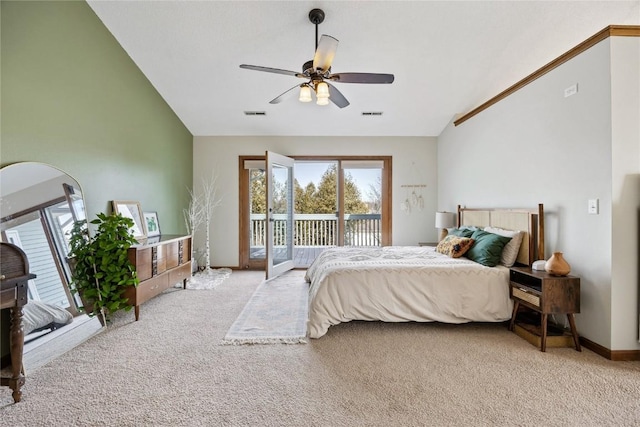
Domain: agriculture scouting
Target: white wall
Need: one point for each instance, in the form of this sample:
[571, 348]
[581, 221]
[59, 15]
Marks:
[414, 162]
[625, 118]
[536, 146]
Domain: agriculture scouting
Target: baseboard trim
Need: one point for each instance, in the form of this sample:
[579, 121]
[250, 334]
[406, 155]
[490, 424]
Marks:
[615, 355]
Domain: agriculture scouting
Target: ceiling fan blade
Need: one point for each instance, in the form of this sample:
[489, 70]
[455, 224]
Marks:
[283, 95]
[337, 97]
[369, 78]
[273, 70]
[325, 52]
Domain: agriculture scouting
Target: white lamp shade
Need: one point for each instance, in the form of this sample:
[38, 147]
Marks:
[445, 220]
[322, 90]
[322, 101]
[305, 93]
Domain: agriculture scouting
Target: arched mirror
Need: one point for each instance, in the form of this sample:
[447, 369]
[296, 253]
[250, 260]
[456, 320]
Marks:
[38, 206]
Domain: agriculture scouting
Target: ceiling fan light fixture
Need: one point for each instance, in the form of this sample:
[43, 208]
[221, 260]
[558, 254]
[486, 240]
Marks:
[305, 93]
[322, 101]
[322, 90]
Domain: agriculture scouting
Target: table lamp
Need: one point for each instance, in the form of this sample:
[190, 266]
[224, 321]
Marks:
[444, 220]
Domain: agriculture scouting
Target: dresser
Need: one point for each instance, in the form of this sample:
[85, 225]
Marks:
[14, 278]
[160, 262]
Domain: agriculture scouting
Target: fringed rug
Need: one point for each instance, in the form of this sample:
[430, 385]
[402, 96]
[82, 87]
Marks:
[208, 279]
[276, 313]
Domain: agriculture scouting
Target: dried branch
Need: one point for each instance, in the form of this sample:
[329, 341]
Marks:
[209, 201]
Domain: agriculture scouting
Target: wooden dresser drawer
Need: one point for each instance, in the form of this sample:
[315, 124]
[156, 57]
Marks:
[172, 255]
[178, 274]
[150, 288]
[142, 260]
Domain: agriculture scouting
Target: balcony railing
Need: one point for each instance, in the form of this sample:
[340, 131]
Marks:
[319, 230]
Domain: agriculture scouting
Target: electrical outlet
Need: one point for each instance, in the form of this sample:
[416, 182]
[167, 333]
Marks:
[571, 90]
[593, 206]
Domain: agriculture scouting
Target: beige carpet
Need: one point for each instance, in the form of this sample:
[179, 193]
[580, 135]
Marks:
[169, 369]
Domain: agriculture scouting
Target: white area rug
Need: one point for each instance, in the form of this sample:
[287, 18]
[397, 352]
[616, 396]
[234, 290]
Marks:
[208, 279]
[276, 313]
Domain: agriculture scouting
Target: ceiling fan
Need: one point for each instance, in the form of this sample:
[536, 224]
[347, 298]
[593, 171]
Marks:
[317, 72]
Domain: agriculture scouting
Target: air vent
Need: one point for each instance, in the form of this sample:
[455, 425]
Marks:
[255, 113]
[372, 113]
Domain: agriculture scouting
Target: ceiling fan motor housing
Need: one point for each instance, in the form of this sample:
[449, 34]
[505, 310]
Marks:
[307, 69]
[308, 66]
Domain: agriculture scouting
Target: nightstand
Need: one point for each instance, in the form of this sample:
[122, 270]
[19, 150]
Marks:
[545, 294]
[427, 243]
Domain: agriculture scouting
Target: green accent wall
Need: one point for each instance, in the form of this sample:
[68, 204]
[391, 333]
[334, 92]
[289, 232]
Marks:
[72, 97]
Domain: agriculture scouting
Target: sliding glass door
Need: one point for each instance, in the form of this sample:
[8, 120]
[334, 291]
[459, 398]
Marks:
[337, 201]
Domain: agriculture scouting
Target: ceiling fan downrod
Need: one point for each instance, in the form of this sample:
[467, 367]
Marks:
[316, 16]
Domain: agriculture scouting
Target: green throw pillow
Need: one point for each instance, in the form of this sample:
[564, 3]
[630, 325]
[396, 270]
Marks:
[460, 232]
[487, 248]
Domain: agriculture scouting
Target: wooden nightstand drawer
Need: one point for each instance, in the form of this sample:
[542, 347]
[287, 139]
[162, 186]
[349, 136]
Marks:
[525, 296]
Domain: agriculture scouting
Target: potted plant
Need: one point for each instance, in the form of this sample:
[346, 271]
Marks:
[101, 271]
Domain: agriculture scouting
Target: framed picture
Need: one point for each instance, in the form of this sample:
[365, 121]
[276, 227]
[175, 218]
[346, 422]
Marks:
[132, 210]
[152, 224]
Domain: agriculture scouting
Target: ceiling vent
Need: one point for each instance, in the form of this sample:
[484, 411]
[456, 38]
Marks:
[255, 113]
[372, 113]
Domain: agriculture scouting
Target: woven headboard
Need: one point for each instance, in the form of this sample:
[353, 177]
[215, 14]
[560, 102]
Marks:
[531, 221]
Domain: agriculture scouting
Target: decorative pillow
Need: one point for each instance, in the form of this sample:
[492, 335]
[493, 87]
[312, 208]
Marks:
[461, 232]
[511, 249]
[487, 249]
[454, 246]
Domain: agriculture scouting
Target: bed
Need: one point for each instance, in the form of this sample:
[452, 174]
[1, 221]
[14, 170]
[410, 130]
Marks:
[39, 316]
[402, 284]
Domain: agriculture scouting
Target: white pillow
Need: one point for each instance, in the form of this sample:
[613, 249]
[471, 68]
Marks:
[511, 249]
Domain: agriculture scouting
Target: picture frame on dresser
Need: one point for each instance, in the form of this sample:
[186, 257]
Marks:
[152, 224]
[132, 210]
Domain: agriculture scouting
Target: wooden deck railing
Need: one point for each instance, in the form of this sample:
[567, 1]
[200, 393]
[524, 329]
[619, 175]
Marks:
[319, 230]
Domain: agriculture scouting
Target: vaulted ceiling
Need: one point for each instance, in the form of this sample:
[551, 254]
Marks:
[447, 57]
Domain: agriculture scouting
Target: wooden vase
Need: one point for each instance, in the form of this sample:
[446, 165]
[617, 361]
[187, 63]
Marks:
[557, 265]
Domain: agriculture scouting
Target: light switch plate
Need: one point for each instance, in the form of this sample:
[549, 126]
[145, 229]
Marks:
[571, 90]
[593, 207]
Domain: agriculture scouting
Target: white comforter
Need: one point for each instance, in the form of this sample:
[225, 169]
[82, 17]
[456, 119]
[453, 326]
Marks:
[400, 284]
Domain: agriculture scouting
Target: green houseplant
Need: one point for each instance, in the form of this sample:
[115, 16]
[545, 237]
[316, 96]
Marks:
[101, 271]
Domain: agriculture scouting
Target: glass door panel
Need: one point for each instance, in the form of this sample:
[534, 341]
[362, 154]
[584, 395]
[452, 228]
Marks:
[280, 203]
[316, 209]
[362, 190]
[257, 211]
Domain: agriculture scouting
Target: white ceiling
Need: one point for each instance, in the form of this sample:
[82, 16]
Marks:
[447, 57]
